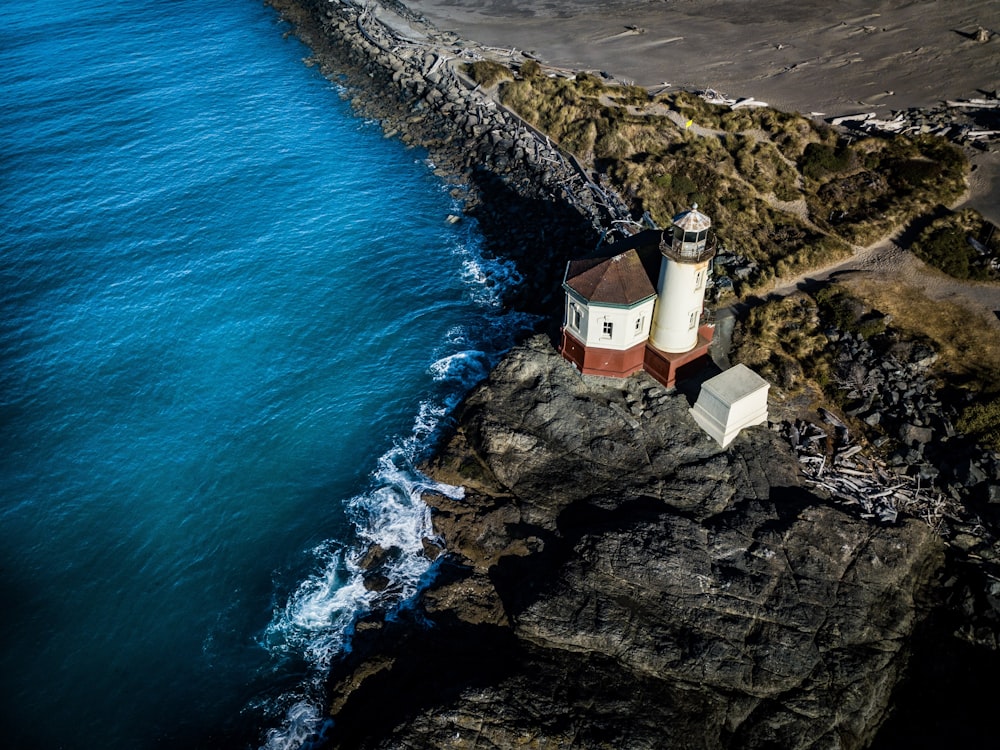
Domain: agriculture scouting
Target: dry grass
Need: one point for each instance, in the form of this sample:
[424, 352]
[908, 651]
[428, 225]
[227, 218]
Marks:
[855, 192]
[488, 73]
[783, 341]
[967, 356]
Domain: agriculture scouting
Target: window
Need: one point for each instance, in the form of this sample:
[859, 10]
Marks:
[692, 319]
[607, 329]
[574, 316]
[699, 279]
[638, 324]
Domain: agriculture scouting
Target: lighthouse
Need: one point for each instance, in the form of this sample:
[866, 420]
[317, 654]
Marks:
[641, 308]
[687, 252]
[617, 323]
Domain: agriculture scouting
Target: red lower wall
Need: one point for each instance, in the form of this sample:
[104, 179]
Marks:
[612, 363]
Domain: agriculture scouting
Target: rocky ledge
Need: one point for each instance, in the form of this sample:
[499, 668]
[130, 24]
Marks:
[615, 579]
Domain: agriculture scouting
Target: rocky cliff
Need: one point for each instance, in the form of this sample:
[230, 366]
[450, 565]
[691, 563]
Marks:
[615, 579]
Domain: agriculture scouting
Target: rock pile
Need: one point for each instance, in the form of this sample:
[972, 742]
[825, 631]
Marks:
[893, 388]
[835, 466]
[433, 103]
[930, 471]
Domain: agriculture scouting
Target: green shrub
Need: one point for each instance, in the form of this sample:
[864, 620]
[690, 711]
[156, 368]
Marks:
[945, 245]
[838, 308]
[947, 250]
[914, 173]
[820, 160]
[981, 421]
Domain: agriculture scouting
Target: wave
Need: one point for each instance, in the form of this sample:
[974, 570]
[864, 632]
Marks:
[468, 367]
[316, 621]
[488, 278]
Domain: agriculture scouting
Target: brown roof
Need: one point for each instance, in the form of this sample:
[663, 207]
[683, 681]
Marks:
[618, 280]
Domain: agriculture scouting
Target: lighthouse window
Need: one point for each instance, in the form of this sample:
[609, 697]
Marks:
[575, 316]
[638, 324]
[692, 319]
[608, 328]
[699, 278]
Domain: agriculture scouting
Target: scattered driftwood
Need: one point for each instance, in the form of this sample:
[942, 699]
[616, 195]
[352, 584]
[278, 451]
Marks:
[714, 97]
[835, 465]
[959, 120]
[974, 103]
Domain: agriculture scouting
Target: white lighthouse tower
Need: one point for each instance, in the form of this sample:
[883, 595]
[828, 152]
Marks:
[687, 251]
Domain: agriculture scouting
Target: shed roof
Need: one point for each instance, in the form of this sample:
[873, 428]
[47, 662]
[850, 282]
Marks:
[618, 280]
[736, 383]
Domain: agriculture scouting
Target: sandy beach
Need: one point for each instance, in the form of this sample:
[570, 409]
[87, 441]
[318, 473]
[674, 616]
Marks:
[797, 55]
[819, 58]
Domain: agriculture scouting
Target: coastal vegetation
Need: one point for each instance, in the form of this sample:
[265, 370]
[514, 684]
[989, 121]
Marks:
[785, 192]
[783, 341]
[788, 340]
[981, 421]
[488, 73]
[792, 342]
[962, 244]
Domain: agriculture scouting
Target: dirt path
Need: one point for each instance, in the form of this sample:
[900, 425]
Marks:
[887, 261]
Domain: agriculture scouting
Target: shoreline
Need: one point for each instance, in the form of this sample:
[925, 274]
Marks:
[533, 208]
[530, 202]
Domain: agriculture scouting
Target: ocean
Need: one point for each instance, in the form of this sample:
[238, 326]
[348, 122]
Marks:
[234, 319]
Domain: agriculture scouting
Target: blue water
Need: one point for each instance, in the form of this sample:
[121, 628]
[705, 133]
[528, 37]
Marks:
[232, 317]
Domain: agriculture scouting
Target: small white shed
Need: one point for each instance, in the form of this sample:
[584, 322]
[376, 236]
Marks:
[730, 401]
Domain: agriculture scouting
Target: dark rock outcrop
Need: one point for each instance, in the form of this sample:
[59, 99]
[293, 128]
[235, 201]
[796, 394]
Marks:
[615, 579]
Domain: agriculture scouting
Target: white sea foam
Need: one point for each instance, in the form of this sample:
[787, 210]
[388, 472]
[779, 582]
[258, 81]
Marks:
[317, 615]
[315, 623]
[304, 724]
[467, 367]
[488, 278]
[457, 336]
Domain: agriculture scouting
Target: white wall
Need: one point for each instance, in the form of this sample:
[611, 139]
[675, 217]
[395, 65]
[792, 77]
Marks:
[679, 305]
[624, 331]
[730, 401]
